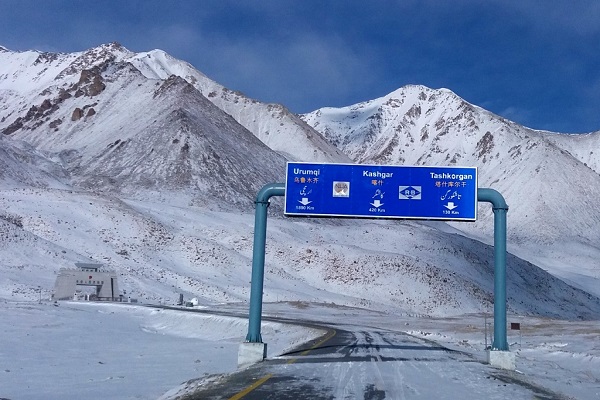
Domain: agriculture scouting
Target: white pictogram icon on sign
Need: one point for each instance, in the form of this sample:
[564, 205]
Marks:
[377, 196]
[450, 206]
[377, 204]
[303, 192]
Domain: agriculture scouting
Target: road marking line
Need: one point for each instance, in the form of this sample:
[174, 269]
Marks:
[305, 352]
[251, 387]
[265, 378]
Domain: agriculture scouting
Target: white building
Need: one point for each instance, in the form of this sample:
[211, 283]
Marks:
[68, 280]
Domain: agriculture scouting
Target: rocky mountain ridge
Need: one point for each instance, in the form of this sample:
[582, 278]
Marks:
[550, 181]
[139, 161]
[113, 128]
[39, 71]
[416, 125]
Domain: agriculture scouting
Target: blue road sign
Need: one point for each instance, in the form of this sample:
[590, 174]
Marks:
[381, 191]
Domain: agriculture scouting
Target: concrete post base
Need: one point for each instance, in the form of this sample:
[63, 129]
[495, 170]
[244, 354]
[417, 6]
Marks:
[251, 353]
[502, 359]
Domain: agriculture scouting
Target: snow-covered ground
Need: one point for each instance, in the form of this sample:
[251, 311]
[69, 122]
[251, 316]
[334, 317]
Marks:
[388, 274]
[91, 350]
[96, 350]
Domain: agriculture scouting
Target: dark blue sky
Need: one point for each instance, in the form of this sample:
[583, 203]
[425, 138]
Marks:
[536, 62]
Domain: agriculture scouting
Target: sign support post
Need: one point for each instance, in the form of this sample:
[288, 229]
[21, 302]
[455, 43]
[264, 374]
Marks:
[449, 188]
[499, 355]
[254, 350]
[258, 258]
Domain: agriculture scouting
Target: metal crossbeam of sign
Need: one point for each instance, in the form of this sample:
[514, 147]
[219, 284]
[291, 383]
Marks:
[381, 191]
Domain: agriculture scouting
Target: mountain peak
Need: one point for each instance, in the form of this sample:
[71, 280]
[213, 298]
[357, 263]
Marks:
[115, 45]
[416, 125]
[112, 47]
[421, 93]
[113, 51]
[96, 57]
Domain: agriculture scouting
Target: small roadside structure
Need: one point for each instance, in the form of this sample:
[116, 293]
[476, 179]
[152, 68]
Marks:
[87, 275]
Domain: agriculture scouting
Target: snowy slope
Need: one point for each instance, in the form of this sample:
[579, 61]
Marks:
[161, 250]
[26, 76]
[161, 183]
[550, 190]
[112, 128]
[23, 166]
[585, 147]
[273, 124]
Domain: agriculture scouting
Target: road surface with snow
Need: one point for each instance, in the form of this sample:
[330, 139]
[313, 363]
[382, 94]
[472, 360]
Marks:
[367, 363]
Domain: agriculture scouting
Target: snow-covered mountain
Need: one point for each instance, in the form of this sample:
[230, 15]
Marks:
[141, 162]
[21, 165]
[273, 124]
[30, 76]
[550, 181]
[585, 147]
[113, 128]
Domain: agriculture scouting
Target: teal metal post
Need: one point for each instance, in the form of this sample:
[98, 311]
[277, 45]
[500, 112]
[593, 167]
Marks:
[500, 209]
[258, 258]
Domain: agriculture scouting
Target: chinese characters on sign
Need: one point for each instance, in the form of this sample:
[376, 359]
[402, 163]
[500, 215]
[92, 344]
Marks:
[381, 191]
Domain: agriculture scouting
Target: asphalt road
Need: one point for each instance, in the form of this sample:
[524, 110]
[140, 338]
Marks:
[371, 364]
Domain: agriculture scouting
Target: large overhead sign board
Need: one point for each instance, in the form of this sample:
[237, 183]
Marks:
[381, 191]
